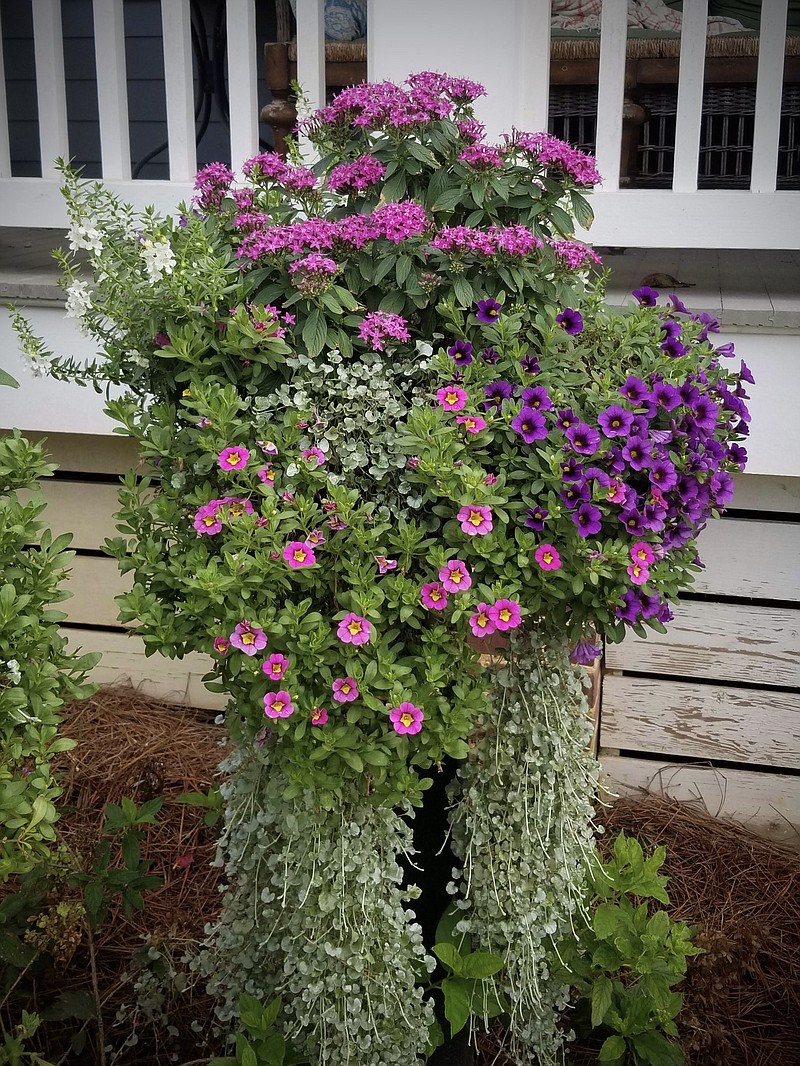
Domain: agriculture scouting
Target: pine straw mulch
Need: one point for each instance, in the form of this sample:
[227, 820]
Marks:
[742, 995]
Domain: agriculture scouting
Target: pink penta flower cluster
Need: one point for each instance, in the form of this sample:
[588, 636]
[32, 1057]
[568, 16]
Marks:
[269, 166]
[481, 157]
[549, 151]
[513, 241]
[211, 184]
[370, 106]
[357, 176]
[575, 255]
[313, 274]
[378, 327]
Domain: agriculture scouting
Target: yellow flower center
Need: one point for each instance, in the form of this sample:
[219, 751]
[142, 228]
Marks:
[209, 519]
[475, 518]
[456, 576]
[407, 719]
[248, 638]
[298, 555]
[505, 614]
[277, 705]
[354, 628]
[483, 620]
[436, 595]
[548, 557]
[345, 689]
[237, 510]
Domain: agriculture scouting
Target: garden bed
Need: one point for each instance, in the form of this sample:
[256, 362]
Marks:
[742, 995]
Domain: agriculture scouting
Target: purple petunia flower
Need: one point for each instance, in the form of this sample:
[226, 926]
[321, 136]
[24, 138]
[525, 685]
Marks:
[662, 474]
[460, 352]
[745, 373]
[530, 425]
[529, 364]
[571, 321]
[671, 328]
[496, 392]
[630, 609]
[615, 421]
[646, 296]
[571, 469]
[738, 455]
[705, 413]
[634, 390]
[489, 356]
[537, 397]
[633, 521]
[566, 418]
[722, 487]
[673, 347]
[636, 452]
[710, 324]
[727, 351]
[583, 438]
[588, 519]
[584, 652]
[535, 518]
[666, 396]
[678, 305]
[488, 311]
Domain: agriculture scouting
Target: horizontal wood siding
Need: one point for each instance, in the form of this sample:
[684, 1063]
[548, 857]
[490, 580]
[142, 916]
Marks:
[766, 803]
[755, 645]
[750, 557]
[696, 721]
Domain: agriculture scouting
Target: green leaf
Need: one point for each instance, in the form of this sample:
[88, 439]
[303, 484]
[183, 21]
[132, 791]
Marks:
[480, 964]
[315, 331]
[131, 852]
[448, 200]
[606, 920]
[273, 1050]
[71, 1005]
[613, 1050]
[656, 1050]
[581, 209]
[95, 903]
[446, 929]
[6, 379]
[449, 955]
[15, 951]
[250, 1013]
[457, 1002]
[602, 994]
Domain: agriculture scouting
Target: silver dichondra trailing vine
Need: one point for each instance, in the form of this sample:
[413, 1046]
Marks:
[522, 829]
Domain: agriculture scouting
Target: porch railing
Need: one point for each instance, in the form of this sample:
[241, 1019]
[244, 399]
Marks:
[515, 64]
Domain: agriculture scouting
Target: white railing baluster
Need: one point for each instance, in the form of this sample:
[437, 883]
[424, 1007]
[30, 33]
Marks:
[611, 90]
[769, 92]
[242, 79]
[534, 66]
[179, 85]
[112, 89]
[311, 50]
[5, 150]
[691, 73]
[48, 44]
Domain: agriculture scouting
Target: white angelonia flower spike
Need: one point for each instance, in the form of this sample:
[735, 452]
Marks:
[159, 259]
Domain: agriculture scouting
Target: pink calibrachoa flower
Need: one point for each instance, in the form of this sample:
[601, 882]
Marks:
[267, 475]
[433, 596]
[315, 538]
[298, 554]
[278, 704]
[638, 573]
[353, 629]
[384, 564]
[236, 507]
[248, 638]
[319, 716]
[233, 458]
[406, 718]
[476, 520]
[454, 576]
[452, 398]
[472, 423]
[275, 666]
[313, 453]
[641, 552]
[222, 645]
[345, 689]
[482, 623]
[547, 557]
[207, 519]
[506, 614]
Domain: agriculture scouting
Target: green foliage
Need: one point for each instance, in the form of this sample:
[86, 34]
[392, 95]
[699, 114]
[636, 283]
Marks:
[629, 958]
[212, 802]
[12, 1049]
[259, 1043]
[37, 673]
[117, 867]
